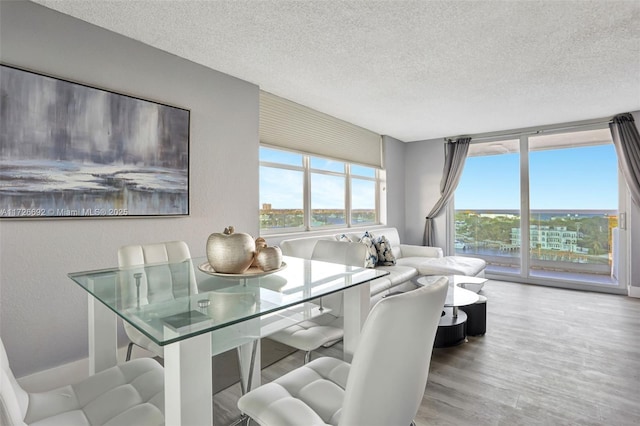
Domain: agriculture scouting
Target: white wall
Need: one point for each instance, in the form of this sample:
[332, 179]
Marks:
[43, 314]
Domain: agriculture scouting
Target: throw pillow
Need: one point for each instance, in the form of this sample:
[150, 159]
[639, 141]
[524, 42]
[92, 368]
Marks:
[343, 237]
[385, 255]
[372, 256]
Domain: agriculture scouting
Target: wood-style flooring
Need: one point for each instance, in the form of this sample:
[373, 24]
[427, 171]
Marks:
[550, 357]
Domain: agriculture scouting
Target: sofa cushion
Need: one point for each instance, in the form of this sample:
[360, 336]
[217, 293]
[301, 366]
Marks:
[372, 259]
[408, 250]
[344, 238]
[385, 255]
[399, 273]
[391, 235]
[413, 262]
[379, 285]
[452, 265]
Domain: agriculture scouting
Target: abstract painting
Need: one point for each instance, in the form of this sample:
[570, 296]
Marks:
[70, 150]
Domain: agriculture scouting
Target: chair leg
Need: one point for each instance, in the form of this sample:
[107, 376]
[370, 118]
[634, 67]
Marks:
[243, 420]
[129, 349]
[307, 357]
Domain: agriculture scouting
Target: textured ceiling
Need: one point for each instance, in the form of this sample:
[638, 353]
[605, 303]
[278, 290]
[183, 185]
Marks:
[413, 70]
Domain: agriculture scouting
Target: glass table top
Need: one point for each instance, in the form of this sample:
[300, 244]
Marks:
[169, 302]
[456, 295]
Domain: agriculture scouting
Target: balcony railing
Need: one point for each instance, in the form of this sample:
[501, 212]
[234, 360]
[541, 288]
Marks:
[560, 241]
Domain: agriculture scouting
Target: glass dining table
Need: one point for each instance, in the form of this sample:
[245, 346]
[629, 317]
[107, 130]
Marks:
[218, 313]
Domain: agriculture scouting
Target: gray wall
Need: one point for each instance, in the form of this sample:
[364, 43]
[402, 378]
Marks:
[424, 161]
[395, 193]
[43, 315]
[634, 236]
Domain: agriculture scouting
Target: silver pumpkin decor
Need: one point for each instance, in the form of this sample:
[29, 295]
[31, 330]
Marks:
[260, 244]
[230, 253]
[269, 258]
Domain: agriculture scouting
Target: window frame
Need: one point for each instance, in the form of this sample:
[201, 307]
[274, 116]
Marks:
[307, 171]
[524, 275]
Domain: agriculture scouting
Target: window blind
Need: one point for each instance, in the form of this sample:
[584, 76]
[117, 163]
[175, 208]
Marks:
[289, 125]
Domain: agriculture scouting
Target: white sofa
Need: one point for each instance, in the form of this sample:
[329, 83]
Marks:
[411, 260]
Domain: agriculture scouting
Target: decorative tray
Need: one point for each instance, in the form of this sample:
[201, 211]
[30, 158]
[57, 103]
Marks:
[252, 272]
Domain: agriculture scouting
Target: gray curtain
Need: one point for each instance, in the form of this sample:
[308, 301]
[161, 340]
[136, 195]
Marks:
[627, 142]
[454, 158]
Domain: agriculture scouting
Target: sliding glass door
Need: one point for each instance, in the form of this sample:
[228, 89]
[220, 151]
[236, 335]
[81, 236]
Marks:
[543, 208]
[488, 205]
[573, 205]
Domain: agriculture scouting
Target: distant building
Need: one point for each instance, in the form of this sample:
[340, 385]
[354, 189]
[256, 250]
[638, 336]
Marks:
[495, 215]
[550, 238]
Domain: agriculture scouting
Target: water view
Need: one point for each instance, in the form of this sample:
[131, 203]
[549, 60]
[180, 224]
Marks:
[557, 238]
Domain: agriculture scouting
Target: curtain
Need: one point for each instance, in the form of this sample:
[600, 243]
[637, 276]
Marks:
[627, 142]
[454, 157]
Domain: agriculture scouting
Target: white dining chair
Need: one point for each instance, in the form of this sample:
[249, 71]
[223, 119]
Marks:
[155, 284]
[385, 383]
[131, 394]
[165, 282]
[326, 329]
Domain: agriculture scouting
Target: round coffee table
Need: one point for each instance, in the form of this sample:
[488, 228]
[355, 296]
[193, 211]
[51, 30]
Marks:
[452, 326]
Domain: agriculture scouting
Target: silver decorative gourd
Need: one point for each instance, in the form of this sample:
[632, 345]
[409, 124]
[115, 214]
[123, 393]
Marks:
[230, 253]
[269, 258]
[260, 244]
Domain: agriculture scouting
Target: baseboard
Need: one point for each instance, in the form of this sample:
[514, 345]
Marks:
[634, 291]
[70, 373]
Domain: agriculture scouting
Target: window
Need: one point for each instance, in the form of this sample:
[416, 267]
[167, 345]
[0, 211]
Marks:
[301, 192]
[363, 195]
[328, 189]
[542, 207]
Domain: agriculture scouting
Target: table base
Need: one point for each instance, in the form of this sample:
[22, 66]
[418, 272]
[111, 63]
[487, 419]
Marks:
[451, 330]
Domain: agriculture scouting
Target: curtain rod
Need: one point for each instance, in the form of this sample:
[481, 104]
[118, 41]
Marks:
[533, 131]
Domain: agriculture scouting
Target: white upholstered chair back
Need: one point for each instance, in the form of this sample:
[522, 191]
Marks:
[14, 400]
[389, 370]
[163, 282]
[344, 253]
[325, 329]
[390, 233]
[128, 394]
[385, 383]
[302, 247]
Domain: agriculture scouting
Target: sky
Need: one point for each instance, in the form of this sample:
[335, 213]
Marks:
[283, 189]
[584, 178]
